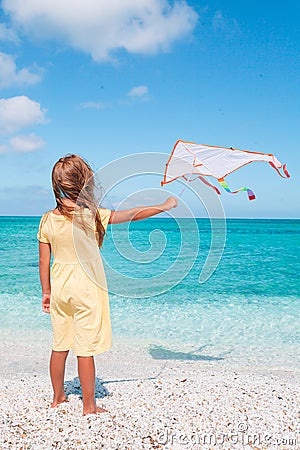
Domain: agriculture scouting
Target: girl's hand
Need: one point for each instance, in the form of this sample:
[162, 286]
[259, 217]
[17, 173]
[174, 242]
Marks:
[46, 303]
[170, 203]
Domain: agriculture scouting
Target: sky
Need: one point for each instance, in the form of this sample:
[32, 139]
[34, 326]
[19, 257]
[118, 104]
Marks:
[107, 80]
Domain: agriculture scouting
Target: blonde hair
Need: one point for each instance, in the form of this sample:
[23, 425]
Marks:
[73, 178]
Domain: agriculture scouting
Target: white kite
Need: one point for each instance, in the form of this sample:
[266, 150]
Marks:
[188, 158]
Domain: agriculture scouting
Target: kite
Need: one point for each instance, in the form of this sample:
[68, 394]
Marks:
[189, 158]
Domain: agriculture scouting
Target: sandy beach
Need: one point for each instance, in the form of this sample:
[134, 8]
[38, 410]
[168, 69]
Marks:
[152, 402]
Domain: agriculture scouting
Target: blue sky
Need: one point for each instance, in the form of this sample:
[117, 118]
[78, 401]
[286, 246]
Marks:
[106, 81]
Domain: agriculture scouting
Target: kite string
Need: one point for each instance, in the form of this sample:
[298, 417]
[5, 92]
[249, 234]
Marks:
[188, 179]
[182, 192]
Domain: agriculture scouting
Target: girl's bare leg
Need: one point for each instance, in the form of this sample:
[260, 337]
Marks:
[86, 373]
[57, 373]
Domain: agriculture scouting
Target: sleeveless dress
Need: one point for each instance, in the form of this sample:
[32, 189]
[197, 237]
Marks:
[79, 303]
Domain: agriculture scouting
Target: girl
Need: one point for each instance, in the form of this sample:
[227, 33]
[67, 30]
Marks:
[76, 297]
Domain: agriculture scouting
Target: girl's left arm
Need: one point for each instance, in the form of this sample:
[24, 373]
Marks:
[142, 212]
[44, 268]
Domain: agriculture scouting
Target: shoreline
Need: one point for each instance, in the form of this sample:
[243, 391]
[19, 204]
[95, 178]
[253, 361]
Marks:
[29, 352]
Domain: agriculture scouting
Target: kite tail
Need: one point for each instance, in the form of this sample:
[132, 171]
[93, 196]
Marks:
[204, 181]
[224, 185]
[287, 175]
[209, 184]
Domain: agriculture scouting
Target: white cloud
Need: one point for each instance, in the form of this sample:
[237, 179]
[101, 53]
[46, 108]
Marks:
[20, 112]
[99, 27]
[228, 27]
[218, 20]
[138, 91]
[17, 113]
[8, 34]
[3, 149]
[11, 76]
[26, 143]
[92, 105]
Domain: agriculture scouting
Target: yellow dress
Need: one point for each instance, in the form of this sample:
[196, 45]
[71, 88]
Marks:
[79, 303]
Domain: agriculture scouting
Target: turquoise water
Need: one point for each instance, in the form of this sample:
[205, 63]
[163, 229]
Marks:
[248, 310]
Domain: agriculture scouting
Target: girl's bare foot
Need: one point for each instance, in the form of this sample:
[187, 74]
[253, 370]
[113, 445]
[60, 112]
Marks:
[60, 399]
[93, 410]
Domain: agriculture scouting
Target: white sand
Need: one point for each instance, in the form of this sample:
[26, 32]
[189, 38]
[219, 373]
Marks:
[152, 403]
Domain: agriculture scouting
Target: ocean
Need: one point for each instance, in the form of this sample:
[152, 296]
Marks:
[246, 312]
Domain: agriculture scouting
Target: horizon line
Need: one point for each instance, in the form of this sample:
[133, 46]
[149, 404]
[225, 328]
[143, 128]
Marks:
[168, 218]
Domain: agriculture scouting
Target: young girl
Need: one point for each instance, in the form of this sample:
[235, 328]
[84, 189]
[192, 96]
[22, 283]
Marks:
[78, 302]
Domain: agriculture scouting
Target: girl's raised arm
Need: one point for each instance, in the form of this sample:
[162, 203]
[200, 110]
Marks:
[142, 212]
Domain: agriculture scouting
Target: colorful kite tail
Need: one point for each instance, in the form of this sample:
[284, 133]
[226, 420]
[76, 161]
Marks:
[224, 185]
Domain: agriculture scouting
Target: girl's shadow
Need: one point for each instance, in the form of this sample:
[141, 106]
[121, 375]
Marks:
[74, 387]
[159, 352]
